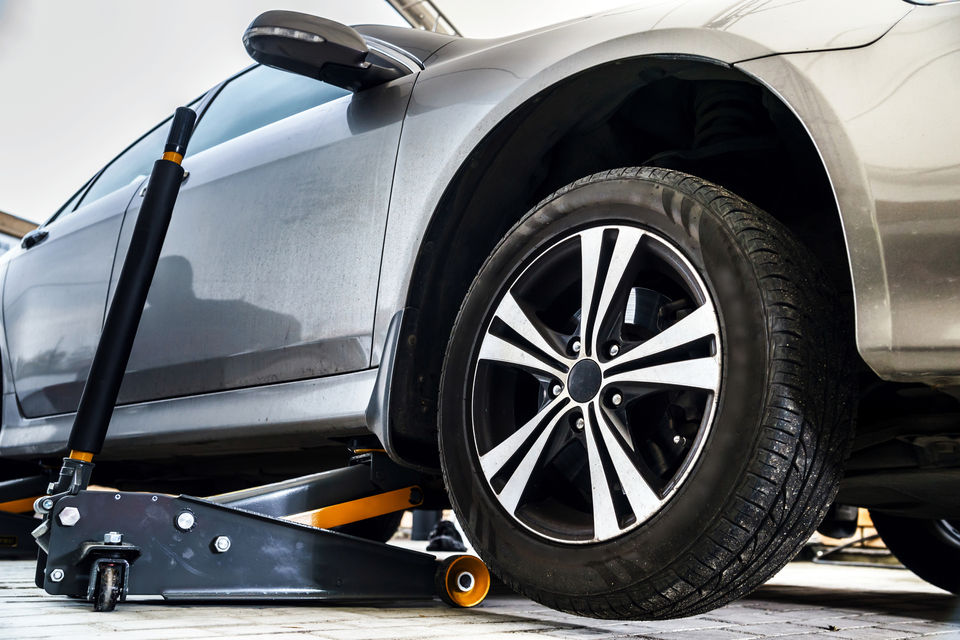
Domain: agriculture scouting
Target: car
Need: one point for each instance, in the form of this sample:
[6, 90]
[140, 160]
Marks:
[659, 291]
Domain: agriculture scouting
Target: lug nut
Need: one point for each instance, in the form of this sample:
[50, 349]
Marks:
[680, 440]
[614, 349]
[616, 399]
[112, 537]
[579, 424]
[69, 516]
[185, 521]
[556, 389]
[575, 346]
[56, 575]
[221, 544]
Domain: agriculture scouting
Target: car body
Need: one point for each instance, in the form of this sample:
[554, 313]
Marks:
[315, 264]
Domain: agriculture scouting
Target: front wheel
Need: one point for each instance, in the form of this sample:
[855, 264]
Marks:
[645, 399]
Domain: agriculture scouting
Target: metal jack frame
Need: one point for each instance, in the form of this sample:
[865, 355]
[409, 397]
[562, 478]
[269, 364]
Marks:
[267, 543]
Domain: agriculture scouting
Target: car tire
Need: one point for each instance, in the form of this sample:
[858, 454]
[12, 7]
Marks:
[929, 548]
[759, 447]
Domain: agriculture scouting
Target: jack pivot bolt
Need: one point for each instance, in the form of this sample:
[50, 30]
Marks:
[185, 521]
[69, 516]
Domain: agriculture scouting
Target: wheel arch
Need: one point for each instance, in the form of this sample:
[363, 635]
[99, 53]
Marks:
[574, 128]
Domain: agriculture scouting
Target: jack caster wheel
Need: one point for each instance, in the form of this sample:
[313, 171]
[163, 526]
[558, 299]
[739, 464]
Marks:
[108, 589]
[462, 581]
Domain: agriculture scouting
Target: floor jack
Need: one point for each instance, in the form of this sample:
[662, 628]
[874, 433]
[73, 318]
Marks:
[267, 543]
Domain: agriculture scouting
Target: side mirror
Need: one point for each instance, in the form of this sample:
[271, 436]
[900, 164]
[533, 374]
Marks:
[314, 47]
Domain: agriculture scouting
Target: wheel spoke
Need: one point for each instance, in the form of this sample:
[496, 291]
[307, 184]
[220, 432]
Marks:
[517, 319]
[639, 494]
[697, 373]
[699, 324]
[618, 425]
[590, 243]
[492, 461]
[513, 490]
[623, 251]
[499, 350]
[605, 523]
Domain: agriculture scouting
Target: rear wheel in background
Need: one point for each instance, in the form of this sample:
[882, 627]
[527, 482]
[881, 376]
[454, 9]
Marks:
[929, 548]
[645, 400]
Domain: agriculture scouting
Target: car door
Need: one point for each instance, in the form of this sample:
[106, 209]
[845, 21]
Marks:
[270, 265]
[55, 291]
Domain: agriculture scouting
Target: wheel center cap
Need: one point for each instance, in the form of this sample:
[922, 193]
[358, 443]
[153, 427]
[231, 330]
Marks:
[584, 380]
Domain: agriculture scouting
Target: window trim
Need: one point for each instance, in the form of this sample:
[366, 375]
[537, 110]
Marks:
[203, 101]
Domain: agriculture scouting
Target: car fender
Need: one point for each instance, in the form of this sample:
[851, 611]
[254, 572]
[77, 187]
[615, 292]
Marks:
[469, 87]
[883, 120]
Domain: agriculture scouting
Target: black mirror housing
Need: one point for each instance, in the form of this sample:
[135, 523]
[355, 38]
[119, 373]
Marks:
[314, 47]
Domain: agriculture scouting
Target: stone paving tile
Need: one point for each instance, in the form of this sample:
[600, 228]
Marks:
[872, 633]
[585, 633]
[923, 627]
[775, 629]
[807, 636]
[702, 634]
[744, 615]
[694, 623]
[805, 602]
[880, 618]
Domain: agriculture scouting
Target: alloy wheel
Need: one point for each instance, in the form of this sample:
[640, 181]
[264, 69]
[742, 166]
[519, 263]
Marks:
[595, 384]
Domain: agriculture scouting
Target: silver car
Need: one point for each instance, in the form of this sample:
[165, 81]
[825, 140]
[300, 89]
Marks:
[649, 287]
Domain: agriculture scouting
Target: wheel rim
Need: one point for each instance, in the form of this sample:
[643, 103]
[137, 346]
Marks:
[595, 384]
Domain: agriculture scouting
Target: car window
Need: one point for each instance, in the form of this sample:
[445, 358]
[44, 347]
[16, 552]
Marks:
[134, 163]
[256, 98]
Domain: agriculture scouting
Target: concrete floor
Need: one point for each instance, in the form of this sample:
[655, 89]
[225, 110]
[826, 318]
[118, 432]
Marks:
[803, 601]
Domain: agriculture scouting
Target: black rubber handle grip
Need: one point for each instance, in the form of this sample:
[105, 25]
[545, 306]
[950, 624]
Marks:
[180, 131]
[123, 318]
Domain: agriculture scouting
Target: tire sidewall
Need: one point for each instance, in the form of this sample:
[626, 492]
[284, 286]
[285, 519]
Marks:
[696, 509]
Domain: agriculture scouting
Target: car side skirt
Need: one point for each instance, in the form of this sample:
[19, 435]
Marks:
[282, 416]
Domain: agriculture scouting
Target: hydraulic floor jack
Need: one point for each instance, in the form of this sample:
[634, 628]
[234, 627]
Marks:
[267, 543]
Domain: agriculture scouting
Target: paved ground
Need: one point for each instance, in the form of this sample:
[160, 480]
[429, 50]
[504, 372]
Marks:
[804, 601]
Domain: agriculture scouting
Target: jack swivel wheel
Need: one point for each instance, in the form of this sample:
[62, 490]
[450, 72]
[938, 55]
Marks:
[462, 581]
[108, 588]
